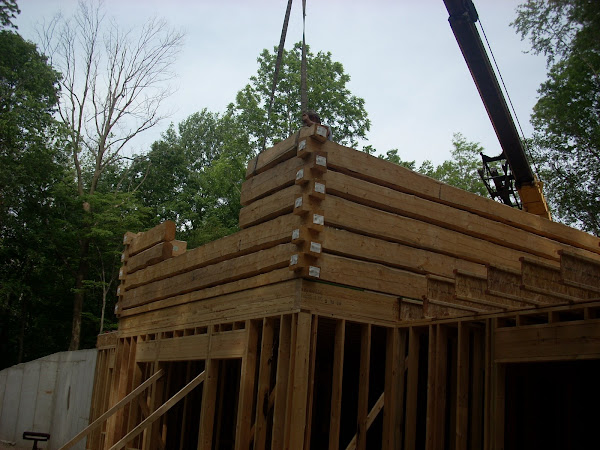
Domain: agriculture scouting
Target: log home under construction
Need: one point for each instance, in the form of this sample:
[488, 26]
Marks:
[361, 306]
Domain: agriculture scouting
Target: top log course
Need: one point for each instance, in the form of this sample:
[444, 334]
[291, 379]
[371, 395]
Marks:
[362, 166]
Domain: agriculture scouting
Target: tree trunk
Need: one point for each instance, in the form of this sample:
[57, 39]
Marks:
[81, 275]
[21, 337]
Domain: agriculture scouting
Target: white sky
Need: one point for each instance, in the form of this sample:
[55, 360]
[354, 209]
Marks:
[401, 56]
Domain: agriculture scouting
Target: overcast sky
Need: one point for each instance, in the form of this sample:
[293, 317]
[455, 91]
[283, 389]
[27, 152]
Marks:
[401, 56]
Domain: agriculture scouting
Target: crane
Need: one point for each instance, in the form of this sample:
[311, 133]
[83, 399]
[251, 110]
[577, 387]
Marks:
[513, 160]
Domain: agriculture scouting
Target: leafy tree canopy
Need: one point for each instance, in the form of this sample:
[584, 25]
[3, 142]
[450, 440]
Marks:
[327, 94]
[193, 176]
[566, 118]
[8, 11]
[459, 171]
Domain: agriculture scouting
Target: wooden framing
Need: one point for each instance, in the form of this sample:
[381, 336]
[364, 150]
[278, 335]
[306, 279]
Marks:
[360, 306]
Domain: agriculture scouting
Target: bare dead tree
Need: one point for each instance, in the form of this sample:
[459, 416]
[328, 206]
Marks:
[114, 84]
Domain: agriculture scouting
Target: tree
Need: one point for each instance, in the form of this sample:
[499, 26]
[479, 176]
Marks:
[566, 118]
[113, 85]
[31, 170]
[193, 176]
[460, 171]
[327, 94]
[8, 11]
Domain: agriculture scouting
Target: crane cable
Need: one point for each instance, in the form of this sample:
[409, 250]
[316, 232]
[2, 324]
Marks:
[303, 89]
[286, 20]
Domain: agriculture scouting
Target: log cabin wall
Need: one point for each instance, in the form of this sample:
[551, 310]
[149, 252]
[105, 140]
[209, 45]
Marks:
[362, 305]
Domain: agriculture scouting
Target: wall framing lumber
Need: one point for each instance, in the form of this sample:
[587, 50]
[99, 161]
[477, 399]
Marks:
[412, 380]
[263, 386]
[395, 373]
[244, 435]
[281, 383]
[336, 389]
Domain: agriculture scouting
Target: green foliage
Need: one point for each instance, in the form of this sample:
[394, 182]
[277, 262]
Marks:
[327, 94]
[566, 119]
[193, 176]
[8, 11]
[460, 171]
[31, 175]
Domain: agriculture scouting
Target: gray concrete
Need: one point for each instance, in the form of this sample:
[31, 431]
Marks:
[49, 395]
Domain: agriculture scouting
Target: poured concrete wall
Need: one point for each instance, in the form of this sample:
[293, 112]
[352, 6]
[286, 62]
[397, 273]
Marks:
[48, 395]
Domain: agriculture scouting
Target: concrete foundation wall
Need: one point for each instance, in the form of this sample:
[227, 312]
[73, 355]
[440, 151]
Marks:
[48, 395]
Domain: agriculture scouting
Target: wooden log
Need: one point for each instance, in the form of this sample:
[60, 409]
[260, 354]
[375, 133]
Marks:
[505, 282]
[441, 300]
[445, 216]
[356, 246]
[580, 272]
[344, 214]
[164, 232]
[223, 272]
[257, 302]
[473, 288]
[411, 309]
[369, 168]
[547, 279]
[153, 255]
[273, 277]
[270, 181]
[371, 276]
[267, 208]
[340, 302]
[279, 152]
[267, 235]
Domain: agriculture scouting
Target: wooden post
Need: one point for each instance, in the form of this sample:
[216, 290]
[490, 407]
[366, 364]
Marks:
[462, 387]
[363, 387]
[300, 381]
[431, 430]
[477, 400]
[411, 389]
[336, 385]
[209, 396]
[281, 382]
[311, 381]
[395, 373]
[440, 385]
[264, 378]
[247, 379]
